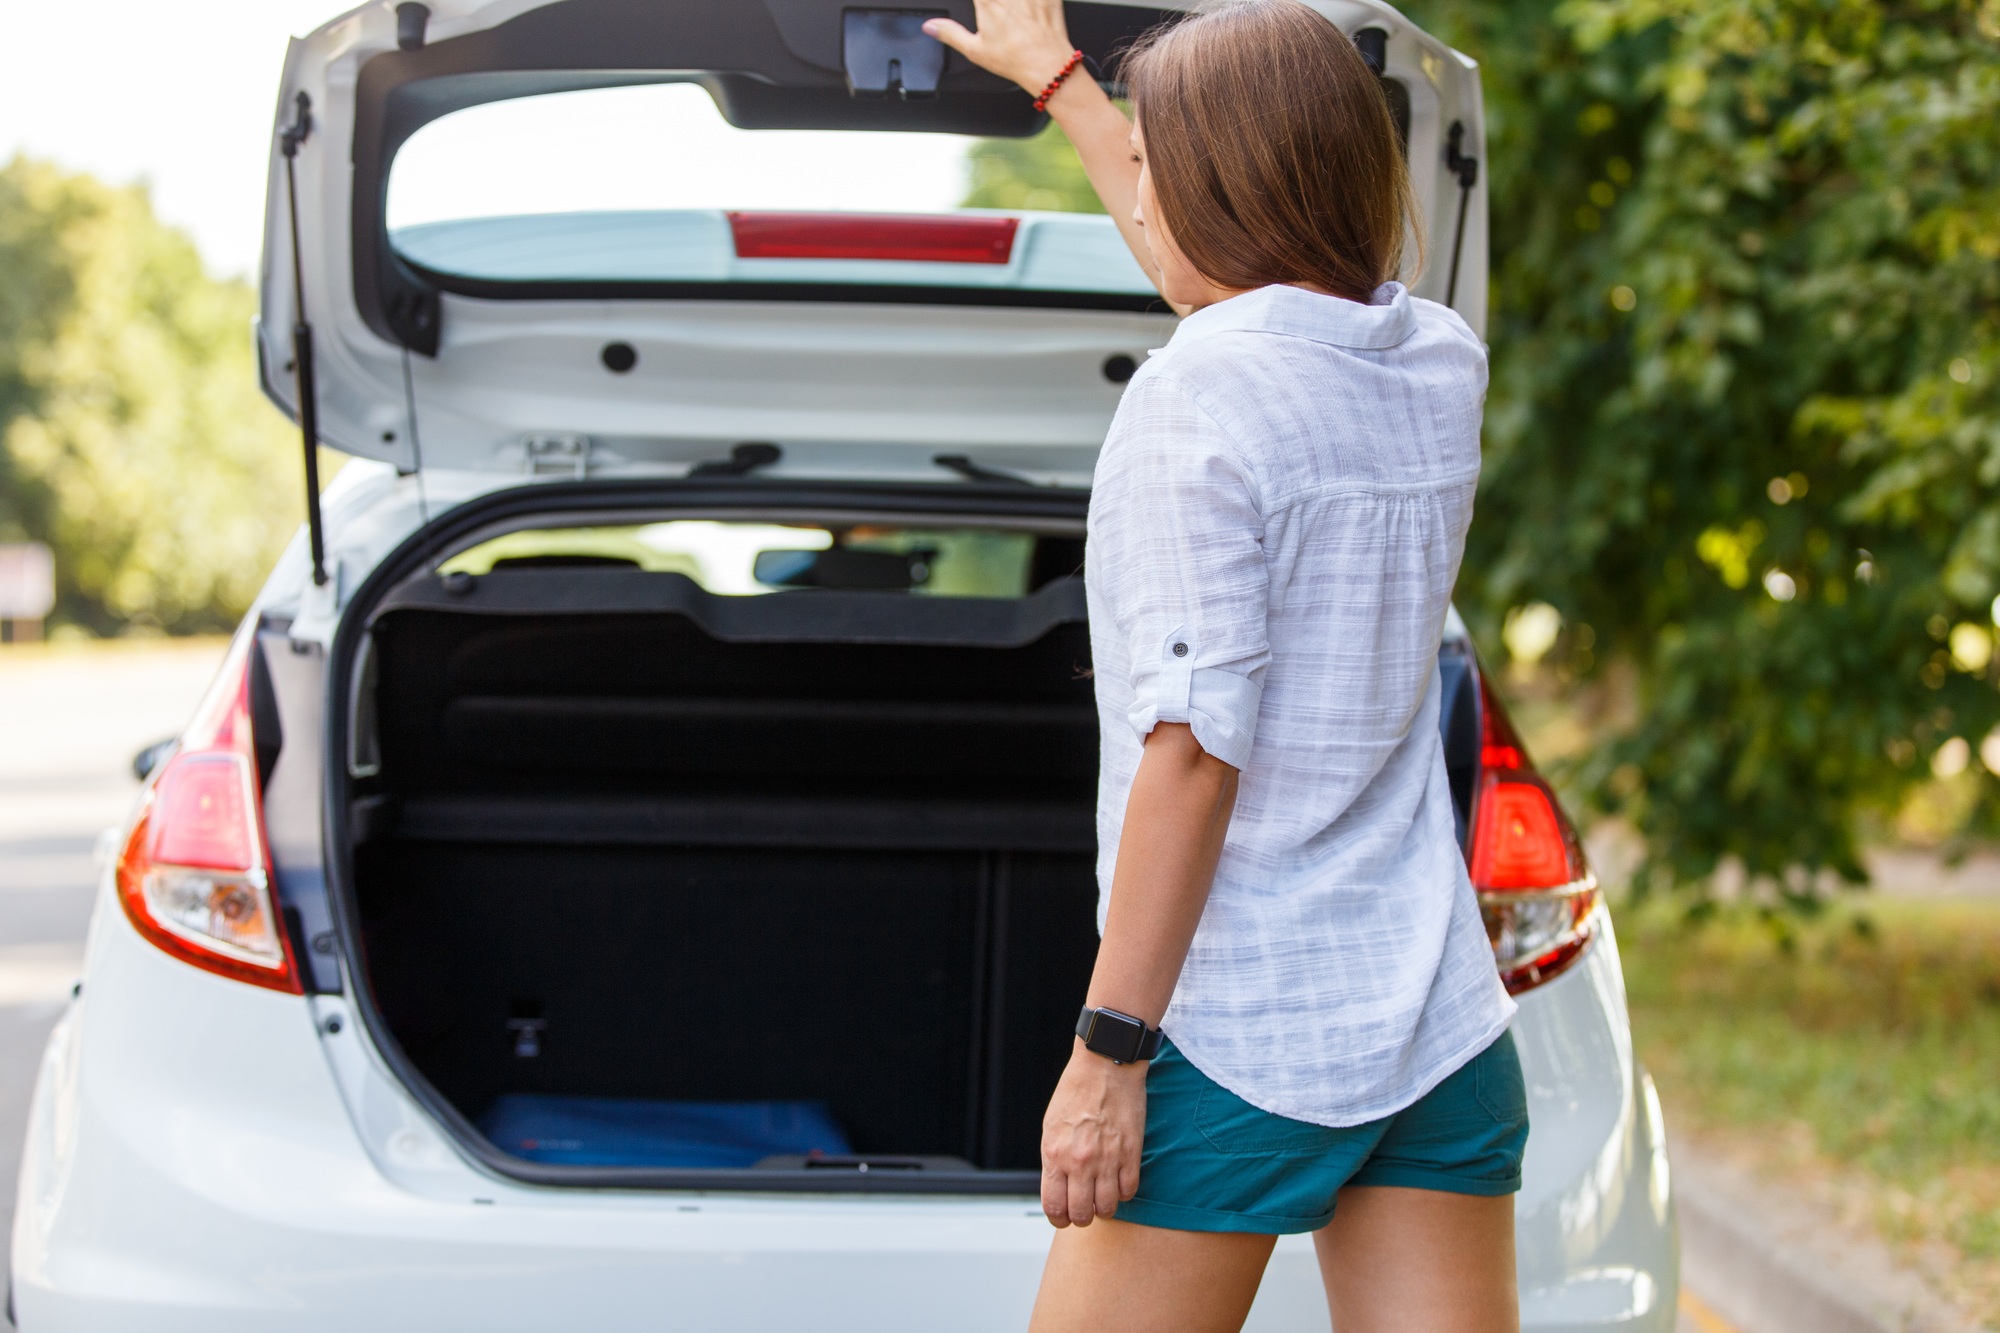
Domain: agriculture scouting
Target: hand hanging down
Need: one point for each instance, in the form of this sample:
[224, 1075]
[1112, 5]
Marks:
[1174, 824]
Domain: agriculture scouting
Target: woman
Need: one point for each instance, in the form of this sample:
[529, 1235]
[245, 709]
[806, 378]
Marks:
[1278, 517]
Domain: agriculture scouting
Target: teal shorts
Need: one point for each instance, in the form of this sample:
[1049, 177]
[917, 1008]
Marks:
[1213, 1162]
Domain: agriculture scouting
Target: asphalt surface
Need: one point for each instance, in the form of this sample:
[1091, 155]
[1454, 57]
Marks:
[70, 720]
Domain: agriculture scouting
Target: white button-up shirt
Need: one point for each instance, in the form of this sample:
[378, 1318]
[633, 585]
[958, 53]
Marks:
[1277, 522]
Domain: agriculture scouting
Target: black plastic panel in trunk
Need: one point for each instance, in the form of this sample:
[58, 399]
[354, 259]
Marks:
[925, 997]
[857, 873]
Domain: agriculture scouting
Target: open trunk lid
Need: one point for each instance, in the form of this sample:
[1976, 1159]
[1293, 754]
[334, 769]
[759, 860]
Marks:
[545, 335]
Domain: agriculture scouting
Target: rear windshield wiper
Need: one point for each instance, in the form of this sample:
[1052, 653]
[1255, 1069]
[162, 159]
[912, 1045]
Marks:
[972, 471]
[752, 456]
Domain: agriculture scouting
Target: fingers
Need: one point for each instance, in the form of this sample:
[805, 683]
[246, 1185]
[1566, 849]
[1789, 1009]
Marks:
[1106, 1192]
[1082, 1198]
[1075, 1191]
[1055, 1197]
[1078, 1188]
[953, 34]
[1022, 42]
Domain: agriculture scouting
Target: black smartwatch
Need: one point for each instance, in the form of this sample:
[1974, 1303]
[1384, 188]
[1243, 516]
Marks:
[1119, 1038]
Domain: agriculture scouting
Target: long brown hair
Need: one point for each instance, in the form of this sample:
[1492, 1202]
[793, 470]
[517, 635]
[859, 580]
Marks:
[1273, 153]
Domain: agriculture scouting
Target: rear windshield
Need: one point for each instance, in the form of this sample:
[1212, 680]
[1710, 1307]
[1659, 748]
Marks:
[744, 558]
[650, 185]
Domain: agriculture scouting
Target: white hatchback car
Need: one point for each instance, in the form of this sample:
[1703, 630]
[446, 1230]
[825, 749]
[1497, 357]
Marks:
[640, 876]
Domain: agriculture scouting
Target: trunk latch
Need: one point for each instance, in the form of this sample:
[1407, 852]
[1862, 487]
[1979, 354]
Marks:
[888, 55]
[526, 1027]
[558, 454]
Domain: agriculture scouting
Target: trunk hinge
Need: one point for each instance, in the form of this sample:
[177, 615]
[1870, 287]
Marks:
[302, 339]
[555, 454]
[1467, 170]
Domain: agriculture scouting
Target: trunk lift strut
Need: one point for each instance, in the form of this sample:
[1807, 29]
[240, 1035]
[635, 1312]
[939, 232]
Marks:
[1467, 169]
[1373, 43]
[302, 340]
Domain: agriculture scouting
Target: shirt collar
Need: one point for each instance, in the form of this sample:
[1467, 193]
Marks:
[1385, 321]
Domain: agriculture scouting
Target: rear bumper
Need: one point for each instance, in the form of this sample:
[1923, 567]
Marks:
[200, 1158]
[1597, 1239]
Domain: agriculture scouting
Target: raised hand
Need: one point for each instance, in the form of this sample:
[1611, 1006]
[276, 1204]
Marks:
[1025, 41]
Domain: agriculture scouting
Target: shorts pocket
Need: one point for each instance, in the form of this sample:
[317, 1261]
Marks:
[1497, 1082]
[1232, 1125]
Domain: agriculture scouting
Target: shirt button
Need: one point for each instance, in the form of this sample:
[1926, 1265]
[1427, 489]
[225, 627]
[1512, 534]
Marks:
[1180, 650]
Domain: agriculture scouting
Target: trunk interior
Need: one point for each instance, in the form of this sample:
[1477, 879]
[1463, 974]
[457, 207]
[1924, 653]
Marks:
[626, 839]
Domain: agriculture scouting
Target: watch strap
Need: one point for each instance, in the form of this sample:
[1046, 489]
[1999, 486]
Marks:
[1118, 1037]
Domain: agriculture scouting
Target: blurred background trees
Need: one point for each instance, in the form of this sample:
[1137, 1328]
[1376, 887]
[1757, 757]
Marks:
[1743, 433]
[133, 437]
[1037, 173]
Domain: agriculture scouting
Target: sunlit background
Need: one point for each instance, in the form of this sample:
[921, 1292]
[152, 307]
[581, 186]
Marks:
[657, 146]
[180, 94]
[183, 96]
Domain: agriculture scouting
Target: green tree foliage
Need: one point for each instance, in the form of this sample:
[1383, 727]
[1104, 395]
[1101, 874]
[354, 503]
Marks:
[1040, 172]
[133, 438]
[1744, 430]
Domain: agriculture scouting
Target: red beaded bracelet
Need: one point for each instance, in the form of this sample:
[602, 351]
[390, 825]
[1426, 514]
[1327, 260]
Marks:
[1069, 67]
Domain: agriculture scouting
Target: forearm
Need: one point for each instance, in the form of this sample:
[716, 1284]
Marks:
[1027, 41]
[1101, 135]
[1175, 819]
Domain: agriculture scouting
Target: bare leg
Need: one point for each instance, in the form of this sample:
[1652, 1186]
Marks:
[1112, 1276]
[1419, 1261]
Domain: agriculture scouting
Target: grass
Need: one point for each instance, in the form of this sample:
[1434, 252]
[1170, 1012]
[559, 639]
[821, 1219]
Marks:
[1867, 1038]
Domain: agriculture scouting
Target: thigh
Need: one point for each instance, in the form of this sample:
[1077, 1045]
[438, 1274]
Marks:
[1401, 1260]
[1112, 1276]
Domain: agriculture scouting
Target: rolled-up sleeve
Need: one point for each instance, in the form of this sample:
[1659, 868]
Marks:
[1177, 538]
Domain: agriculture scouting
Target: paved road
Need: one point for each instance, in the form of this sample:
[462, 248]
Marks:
[70, 720]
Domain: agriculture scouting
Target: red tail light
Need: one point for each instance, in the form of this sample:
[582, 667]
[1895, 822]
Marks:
[195, 875]
[934, 240]
[1536, 891]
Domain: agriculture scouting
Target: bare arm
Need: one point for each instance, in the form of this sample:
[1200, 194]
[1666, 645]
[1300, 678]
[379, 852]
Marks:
[1175, 819]
[1027, 41]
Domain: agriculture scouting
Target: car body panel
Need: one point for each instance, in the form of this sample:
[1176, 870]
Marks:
[846, 390]
[508, 372]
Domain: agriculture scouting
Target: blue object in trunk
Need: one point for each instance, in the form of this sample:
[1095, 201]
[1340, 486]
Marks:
[616, 1131]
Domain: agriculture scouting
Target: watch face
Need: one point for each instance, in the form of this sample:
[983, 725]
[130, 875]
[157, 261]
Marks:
[1115, 1035]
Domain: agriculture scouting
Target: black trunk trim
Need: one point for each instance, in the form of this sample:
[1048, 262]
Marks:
[800, 616]
[905, 825]
[493, 289]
